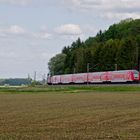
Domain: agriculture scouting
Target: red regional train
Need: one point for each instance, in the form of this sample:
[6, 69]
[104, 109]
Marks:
[121, 76]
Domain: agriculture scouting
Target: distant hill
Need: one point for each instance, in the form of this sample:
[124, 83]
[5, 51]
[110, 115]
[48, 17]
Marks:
[15, 82]
[118, 46]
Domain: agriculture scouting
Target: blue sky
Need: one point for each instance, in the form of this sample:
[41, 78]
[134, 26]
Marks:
[32, 31]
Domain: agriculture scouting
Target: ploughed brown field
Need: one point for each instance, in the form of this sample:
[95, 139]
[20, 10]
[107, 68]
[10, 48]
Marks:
[80, 116]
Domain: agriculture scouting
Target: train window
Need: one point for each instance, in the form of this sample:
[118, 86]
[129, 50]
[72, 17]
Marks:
[136, 72]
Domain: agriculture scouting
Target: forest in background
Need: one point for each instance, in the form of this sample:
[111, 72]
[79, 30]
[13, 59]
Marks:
[115, 48]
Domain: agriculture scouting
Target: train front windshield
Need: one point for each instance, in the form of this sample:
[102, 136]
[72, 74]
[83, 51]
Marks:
[136, 74]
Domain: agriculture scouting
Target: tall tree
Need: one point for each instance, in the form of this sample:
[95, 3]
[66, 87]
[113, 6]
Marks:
[56, 64]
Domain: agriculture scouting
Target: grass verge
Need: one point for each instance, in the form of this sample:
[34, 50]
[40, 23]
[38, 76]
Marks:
[70, 89]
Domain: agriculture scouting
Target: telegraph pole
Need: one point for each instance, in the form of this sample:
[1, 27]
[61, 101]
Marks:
[44, 79]
[137, 57]
[74, 70]
[87, 72]
[87, 67]
[139, 66]
[29, 76]
[29, 79]
[116, 67]
[35, 76]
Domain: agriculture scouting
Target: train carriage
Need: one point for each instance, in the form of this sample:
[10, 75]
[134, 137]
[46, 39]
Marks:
[55, 79]
[80, 78]
[66, 79]
[97, 77]
[121, 76]
[124, 76]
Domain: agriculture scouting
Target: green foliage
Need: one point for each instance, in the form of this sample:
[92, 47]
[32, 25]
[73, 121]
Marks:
[69, 89]
[35, 83]
[117, 45]
[56, 64]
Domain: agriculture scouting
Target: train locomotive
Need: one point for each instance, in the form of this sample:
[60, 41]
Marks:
[120, 76]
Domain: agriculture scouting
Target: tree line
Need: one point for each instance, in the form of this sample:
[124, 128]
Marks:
[119, 47]
[15, 81]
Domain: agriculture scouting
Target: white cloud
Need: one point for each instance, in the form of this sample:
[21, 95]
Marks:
[46, 36]
[106, 4]
[107, 8]
[42, 35]
[16, 2]
[69, 29]
[116, 15]
[100, 8]
[12, 30]
[15, 29]
[103, 8]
